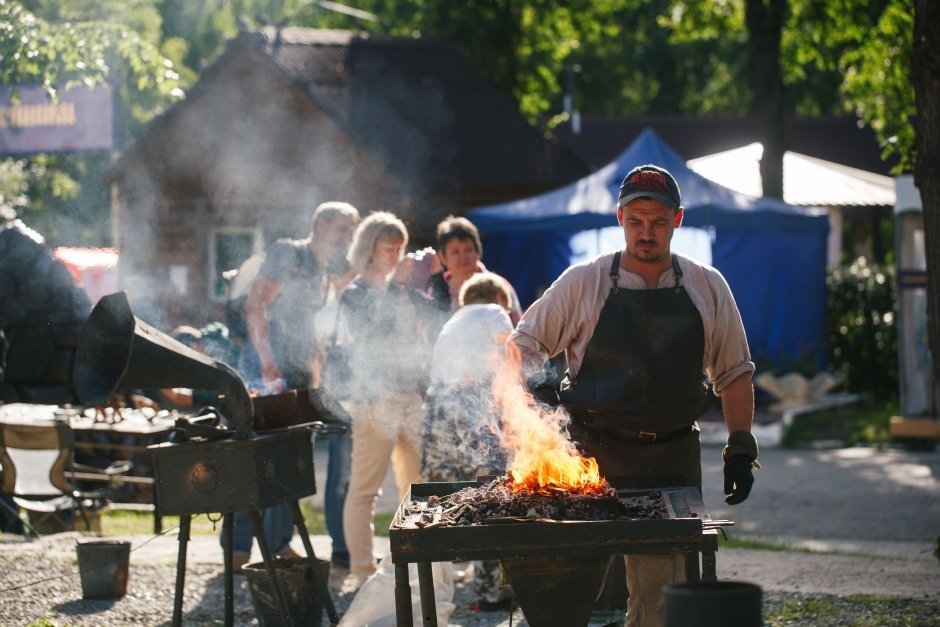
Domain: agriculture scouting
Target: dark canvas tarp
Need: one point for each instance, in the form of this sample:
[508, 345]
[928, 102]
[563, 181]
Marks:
[773, 255]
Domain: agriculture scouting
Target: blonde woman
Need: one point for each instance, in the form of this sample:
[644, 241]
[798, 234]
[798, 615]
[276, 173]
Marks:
[379, 329]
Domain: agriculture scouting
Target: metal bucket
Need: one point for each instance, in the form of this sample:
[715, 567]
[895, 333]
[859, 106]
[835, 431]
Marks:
[103, 566]
[302, 583]
[556, 590]
[712, 604]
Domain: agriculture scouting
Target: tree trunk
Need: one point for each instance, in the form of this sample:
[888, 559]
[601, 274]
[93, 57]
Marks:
[765, 20]
[926, 77]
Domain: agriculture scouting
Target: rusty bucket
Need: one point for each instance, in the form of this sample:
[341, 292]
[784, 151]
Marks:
[303, 581]
[103, 566]
[556, 590]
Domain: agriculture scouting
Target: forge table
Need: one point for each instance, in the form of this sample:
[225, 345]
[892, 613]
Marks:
[688, 530]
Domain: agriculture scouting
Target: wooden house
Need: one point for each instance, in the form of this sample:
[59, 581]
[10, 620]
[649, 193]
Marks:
[287, 118]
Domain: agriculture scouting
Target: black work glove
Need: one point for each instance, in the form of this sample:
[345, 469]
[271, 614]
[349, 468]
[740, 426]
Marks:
[739, 477]
[740, 457]
[547, 394]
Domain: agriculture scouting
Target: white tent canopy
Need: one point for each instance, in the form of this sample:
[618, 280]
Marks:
[807, 181]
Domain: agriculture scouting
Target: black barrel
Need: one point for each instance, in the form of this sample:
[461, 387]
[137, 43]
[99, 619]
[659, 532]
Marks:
[712, 604]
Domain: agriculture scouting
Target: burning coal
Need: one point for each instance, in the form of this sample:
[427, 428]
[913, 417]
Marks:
[542, 458]
[496, 500]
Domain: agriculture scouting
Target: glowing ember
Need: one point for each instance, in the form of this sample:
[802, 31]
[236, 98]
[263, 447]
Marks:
[543, 460]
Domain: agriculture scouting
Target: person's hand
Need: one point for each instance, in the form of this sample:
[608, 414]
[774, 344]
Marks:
[429, 255]
[739, 477]
[271, 380]
[272, 386]
[547, 394]
[404, 269]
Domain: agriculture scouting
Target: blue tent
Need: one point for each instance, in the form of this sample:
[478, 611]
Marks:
[773, 255]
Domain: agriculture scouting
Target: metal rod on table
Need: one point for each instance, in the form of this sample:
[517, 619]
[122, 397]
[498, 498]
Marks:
[185, 521]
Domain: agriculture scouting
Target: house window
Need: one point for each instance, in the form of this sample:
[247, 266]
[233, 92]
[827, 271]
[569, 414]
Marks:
[228, 248]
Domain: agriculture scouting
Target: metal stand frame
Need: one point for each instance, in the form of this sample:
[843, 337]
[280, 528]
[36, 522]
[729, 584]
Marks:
[706, 547]
[257, 529]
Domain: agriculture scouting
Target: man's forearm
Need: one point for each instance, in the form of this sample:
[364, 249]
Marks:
[737, 403]
[531, 359]
[261, 295]
[258, 330]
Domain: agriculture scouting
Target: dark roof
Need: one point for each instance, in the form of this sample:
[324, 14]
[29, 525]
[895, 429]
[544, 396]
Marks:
[837, 139]
[420, 108]
[414, 105]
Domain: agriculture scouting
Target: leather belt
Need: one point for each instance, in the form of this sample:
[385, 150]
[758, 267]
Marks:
[633, 437]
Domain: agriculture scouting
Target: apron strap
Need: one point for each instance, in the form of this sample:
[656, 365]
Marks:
[615, 272]
[676, 270]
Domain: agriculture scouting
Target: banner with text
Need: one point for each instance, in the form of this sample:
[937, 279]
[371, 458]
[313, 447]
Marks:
[82, 119]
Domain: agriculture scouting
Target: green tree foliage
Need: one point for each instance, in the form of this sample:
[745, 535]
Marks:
[57, 54]
[619, 57]
[862, 333]
[615, 57]
[837, 56]
[879, 83]
[70, 42]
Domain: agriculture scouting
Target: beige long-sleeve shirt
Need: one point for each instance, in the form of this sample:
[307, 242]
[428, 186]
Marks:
[564, 318]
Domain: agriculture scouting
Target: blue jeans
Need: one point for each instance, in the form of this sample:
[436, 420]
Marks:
[339, 447]
[278, 530]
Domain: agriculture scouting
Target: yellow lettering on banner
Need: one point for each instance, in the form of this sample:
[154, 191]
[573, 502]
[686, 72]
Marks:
[25, 116]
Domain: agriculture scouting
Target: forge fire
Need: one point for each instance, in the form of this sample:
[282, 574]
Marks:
[498, 502]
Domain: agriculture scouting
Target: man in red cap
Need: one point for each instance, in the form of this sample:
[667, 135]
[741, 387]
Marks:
[644, 331]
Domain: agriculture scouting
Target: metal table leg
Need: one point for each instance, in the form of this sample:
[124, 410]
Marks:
[320, 583]
[403, 615]
[709, 548]
[185, 521]
[228, 528]
[428, 602]
[692, 574]
[257, 528]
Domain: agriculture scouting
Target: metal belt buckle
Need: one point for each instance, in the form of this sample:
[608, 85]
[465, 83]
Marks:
[646, 437]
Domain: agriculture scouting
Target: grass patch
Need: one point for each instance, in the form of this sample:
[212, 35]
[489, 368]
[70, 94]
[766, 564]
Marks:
[801, 610]
[382, 522]
[859, 610]
[863, 423]
[116, 522]
[754, 545]
[731, 542]
[119, 522]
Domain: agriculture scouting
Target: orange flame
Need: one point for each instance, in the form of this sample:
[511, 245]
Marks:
[542, 458]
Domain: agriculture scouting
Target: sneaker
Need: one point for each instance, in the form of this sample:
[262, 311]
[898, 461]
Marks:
[352, 583]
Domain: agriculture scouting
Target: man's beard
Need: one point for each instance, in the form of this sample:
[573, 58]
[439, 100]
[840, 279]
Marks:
[647, 256]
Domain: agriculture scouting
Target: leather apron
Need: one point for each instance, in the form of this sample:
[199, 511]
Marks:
[641, 386]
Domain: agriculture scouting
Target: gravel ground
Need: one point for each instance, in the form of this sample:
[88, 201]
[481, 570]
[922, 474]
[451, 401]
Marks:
[856, 524]
[39, 581]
